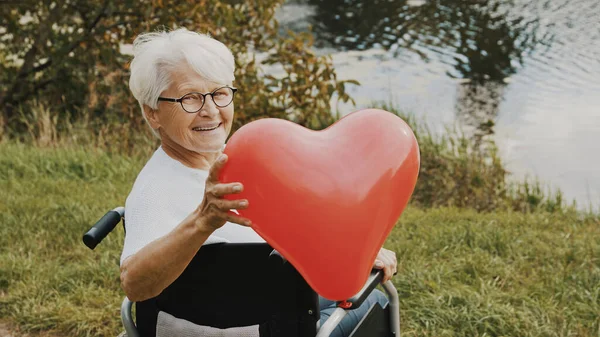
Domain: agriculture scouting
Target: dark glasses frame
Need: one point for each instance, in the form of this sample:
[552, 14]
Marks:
[180, 100]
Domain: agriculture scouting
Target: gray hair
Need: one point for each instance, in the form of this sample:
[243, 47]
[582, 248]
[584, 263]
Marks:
[157, 54]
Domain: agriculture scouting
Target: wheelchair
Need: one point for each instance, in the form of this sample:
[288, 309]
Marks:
[244, 289]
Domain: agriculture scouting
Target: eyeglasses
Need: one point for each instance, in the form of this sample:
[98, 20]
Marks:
[194, 101]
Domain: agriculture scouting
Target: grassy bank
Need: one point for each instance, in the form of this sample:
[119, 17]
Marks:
[48, 279]
[461, 272]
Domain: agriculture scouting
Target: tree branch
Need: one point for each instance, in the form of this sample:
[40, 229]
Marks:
[38, 68]
[44, 30]
[12, 95]
[65, 51]
[40, 86]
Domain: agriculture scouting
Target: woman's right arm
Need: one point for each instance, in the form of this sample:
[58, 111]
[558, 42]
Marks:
[148, 272]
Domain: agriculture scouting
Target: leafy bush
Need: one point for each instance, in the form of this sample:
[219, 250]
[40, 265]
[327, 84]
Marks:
[68, 58]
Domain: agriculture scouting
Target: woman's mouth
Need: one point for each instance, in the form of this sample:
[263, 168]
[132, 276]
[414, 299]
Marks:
[206, 127]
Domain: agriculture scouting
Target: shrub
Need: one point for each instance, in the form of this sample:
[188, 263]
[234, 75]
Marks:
[68, 59]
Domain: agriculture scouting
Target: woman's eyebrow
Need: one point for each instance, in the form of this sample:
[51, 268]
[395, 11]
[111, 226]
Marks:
[192, 88]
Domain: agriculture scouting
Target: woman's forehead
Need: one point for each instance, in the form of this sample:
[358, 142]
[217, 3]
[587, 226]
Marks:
[187, 80]
[198, 86]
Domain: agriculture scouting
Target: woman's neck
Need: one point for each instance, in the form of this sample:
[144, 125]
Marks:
[196, 160]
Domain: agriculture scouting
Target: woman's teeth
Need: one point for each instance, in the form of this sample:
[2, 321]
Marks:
[206, 129]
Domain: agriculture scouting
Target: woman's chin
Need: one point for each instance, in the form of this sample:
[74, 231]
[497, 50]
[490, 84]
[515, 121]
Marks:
[209, 147]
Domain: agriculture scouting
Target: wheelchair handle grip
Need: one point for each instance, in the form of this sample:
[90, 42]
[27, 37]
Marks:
[357, 300]
[104, 226]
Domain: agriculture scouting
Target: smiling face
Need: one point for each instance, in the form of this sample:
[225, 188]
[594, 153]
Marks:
[203, 131]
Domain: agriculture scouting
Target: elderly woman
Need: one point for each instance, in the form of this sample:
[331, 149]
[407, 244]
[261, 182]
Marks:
[183, 82]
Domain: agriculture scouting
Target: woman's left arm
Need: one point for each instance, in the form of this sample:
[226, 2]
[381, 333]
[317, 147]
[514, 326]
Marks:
[386, 260]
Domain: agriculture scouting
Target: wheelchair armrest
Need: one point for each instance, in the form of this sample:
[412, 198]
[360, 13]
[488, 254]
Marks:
[357, 300]
[104, 226]
[127, 319]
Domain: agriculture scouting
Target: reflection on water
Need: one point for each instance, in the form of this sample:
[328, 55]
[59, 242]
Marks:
[525, 71]
[482, 42]
[477, 105]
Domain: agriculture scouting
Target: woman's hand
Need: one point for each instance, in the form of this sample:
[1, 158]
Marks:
[214, 211]
[386, 260]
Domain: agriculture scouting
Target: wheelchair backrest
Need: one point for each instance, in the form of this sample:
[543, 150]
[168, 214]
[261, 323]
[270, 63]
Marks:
[235, 285]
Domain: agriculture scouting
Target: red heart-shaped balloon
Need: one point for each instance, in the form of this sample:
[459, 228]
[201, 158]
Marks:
[326, 200]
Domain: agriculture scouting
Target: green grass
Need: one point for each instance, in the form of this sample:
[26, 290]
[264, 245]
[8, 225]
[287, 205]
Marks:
[461, 272]
[48, 199]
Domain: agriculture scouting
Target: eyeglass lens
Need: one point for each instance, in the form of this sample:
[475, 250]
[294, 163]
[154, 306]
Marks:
[193, 102]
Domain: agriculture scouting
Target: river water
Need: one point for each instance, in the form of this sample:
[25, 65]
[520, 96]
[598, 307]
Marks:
[525, 73]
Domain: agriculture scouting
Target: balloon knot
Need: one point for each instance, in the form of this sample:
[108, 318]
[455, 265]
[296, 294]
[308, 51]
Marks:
[345, 305]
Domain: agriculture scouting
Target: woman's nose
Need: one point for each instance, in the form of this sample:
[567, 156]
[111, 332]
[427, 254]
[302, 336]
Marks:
[209, 109]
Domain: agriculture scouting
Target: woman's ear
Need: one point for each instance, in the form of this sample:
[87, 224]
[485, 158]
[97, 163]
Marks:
[152, 117]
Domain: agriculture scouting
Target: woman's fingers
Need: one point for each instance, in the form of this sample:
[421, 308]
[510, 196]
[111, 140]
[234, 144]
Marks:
[234, 218]
[386, 260]
[220, 190]
[392, 263]
[226, 205]
[380, 264]
[387, 273]
[386, 268]
[214, 209]
[390, 258]
[214, 186]
[215, 169]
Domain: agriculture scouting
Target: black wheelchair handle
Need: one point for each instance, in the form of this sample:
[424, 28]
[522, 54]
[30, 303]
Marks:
[357, 300]
[104, 226]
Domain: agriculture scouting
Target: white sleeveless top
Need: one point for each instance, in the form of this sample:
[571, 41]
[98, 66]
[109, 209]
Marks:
[164, 193]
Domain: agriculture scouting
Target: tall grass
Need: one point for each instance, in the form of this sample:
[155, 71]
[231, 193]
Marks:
[455, 170]
[45, 128]
[464, 273]
[461, 272]
[48, 198]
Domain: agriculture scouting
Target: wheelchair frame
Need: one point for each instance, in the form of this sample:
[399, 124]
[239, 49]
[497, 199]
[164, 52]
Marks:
[112, 218]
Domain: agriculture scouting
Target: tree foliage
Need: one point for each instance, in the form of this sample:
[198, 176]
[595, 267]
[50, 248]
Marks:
[67, 55]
